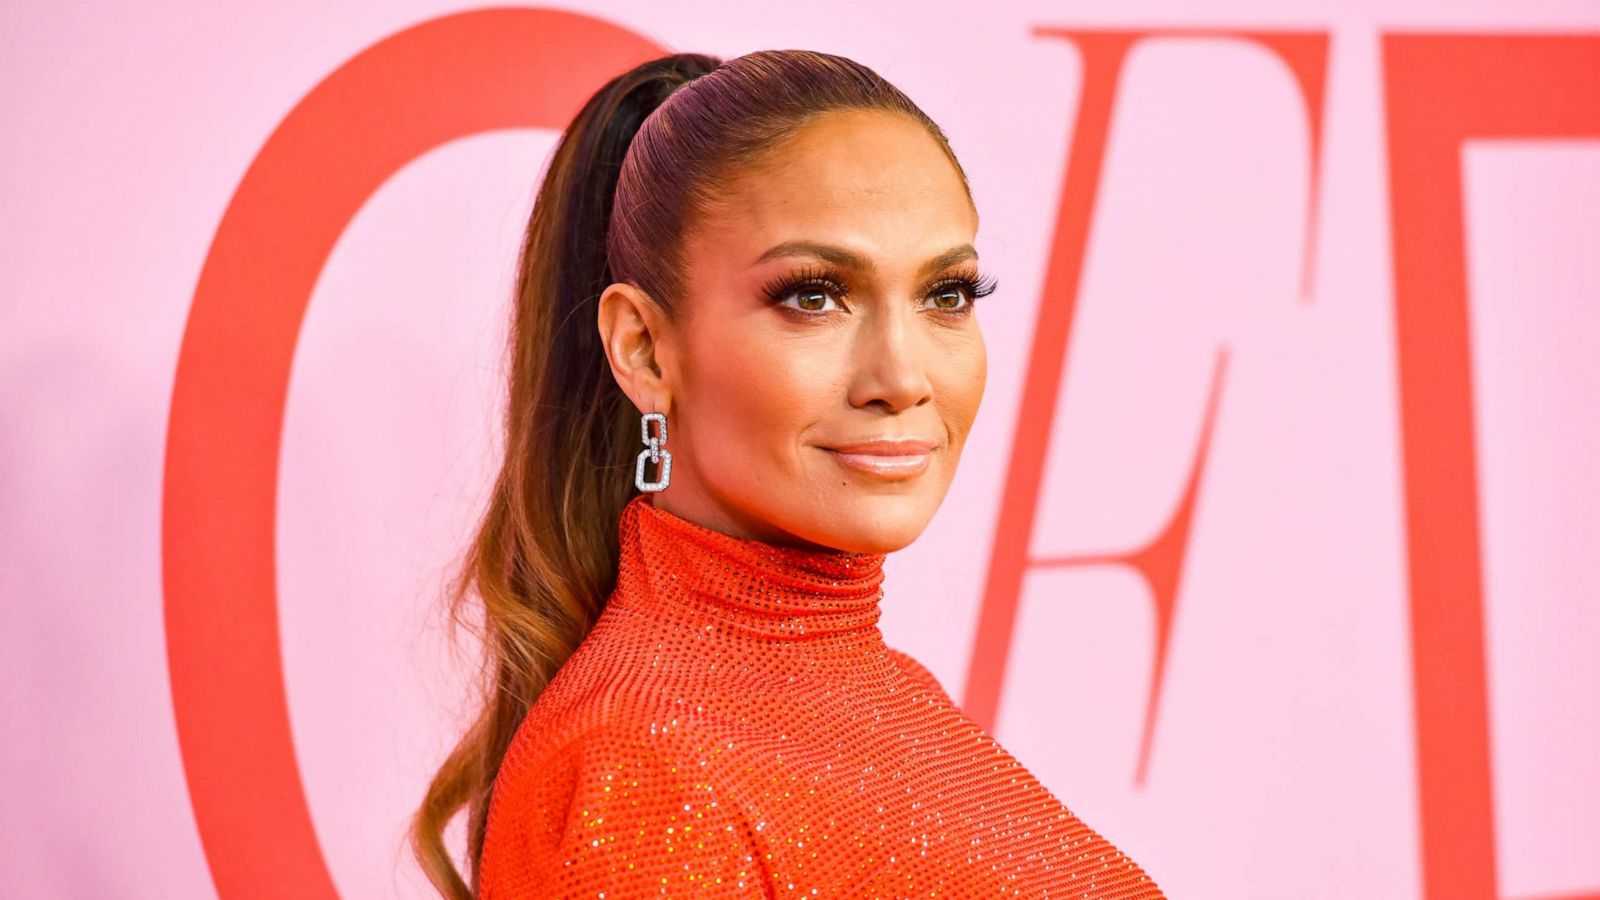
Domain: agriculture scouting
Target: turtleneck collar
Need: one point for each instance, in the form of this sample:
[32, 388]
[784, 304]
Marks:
[674, 566]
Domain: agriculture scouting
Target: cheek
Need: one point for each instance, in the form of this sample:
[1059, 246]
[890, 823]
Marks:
[959, 382]
[755, 399]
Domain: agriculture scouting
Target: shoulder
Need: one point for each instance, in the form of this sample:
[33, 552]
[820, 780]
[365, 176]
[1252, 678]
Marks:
[919, 674]
[624, 793]
[612, 739]
[618, 708]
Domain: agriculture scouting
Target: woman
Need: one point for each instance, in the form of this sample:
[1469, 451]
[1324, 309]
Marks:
[687, 689]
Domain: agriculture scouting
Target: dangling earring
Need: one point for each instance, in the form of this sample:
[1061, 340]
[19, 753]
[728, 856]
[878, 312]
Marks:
[654, 452]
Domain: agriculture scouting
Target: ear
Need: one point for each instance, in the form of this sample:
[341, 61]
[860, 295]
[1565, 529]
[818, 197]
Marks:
[631, 327]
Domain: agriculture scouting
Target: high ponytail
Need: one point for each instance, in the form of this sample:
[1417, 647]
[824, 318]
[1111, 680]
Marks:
[614, 205]
[545, 555]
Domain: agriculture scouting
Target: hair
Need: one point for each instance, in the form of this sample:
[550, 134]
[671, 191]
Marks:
[641, 161]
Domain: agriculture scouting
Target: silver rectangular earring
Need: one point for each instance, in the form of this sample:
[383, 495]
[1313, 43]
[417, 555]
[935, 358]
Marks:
[654, 452]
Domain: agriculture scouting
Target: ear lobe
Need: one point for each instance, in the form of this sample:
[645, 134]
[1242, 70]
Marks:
[629, 326]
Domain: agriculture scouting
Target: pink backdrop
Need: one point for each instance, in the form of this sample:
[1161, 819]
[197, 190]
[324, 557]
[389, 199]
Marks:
[1270, 553]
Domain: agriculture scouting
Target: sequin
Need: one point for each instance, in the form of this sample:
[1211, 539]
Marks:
[735, 726]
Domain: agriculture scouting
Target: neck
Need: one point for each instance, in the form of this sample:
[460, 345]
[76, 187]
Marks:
[676, 567]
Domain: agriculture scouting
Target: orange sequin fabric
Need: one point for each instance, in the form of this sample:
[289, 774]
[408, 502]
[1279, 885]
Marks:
[735, 726]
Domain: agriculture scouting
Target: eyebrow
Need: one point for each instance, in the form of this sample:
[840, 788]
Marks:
[848, 259]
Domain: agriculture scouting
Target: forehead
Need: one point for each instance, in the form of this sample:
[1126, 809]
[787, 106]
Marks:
[878, 183]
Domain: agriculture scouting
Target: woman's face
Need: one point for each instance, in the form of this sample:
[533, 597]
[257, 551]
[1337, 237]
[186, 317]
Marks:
[829, 303]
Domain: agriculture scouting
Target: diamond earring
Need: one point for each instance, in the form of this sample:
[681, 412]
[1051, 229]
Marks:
[654, 452]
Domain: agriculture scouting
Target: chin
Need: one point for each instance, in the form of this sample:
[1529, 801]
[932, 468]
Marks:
[866, 521]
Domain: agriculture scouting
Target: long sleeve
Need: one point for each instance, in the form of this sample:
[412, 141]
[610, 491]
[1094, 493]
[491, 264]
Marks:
[614, 815]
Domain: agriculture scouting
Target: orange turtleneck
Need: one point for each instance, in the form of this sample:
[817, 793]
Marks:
[734, 725]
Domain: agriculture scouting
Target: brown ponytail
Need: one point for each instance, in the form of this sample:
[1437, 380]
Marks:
[544, 559]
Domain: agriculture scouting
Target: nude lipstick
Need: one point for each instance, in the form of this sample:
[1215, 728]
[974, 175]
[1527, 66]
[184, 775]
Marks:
[895, 459]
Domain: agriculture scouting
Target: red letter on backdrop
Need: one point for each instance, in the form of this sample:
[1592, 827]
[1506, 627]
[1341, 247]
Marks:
[1440, 90]
[448, 78]
[1160, 562]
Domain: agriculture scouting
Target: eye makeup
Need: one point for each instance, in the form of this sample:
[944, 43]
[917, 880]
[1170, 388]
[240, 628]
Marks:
[825, 279]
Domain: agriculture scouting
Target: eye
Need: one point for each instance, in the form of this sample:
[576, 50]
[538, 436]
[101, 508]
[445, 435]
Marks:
[813, 297]
[948, 293]
[811, 290]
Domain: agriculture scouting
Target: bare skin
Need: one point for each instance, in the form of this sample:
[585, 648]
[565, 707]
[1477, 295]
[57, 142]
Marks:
[763, 396]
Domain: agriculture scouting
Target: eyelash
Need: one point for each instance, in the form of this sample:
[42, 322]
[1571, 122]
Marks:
[976, 284]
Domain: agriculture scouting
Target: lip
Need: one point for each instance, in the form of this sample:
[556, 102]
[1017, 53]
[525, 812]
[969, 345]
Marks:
[891, 458]
[906, 446]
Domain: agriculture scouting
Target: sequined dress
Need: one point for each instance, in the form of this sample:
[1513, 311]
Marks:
[735, 726]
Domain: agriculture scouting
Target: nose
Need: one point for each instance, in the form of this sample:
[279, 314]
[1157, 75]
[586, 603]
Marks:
[892, 357]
